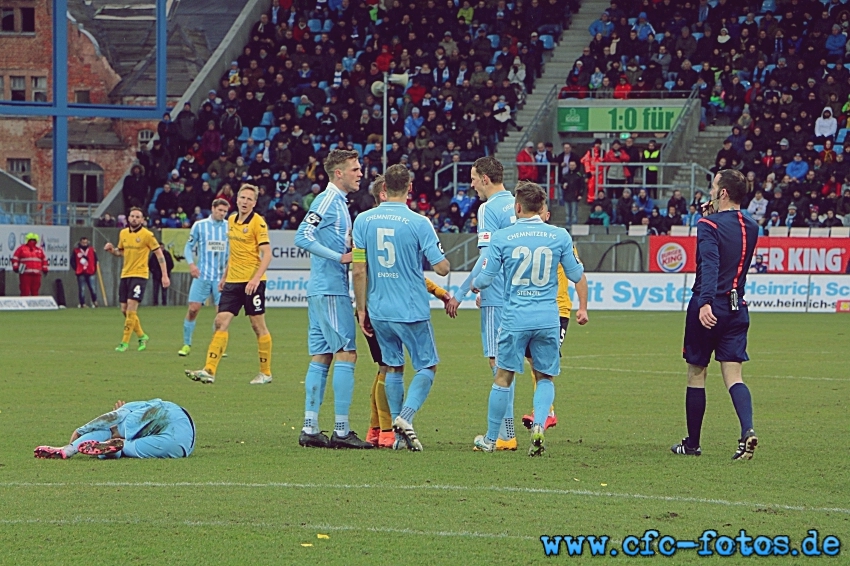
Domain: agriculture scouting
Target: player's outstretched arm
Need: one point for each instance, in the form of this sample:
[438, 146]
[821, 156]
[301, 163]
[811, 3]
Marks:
[581, 291]
[113, 250]
[160, 257]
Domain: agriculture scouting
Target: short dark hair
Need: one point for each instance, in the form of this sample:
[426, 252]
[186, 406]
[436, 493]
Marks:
[132, 208]
[735, 184]
[491, 167]
[530, 196]
[220, 202]
[397, 179]
[377, 187]
[336, 158]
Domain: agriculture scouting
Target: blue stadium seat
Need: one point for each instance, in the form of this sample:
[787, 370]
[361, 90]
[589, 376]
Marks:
[268, 119]
[697, 35]
[768, 6]
[323, 85]
[328, 26]
[818, 148]
[259, 134]
[742, 19]
[293, 177]
[22, 219]
[758, 19]
[179, 162]
[152, 205]
[369, 147]
[669, 85]
[746, 84]
[4, 219]
[273, 132]
[494, 40]
[317, 146]
[358, 148]
[842, 135]
[315, 25]
[246, 133]
[548, 42]
[205, 176]
[490, 69]
[632, 21]
[770, 67]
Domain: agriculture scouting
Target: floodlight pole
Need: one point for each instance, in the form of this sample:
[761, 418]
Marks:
[60, 101]
[384, 140]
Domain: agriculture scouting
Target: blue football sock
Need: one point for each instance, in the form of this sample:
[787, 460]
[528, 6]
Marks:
[544, 396]
[313, 385]
[343, 385]
[743, 402]
[394, 386]
[496, 410]
[493, 370]
[418, 391]
[694, 413]
[188, 330]
[506, 431]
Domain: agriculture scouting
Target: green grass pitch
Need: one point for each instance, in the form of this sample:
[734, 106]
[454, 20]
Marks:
[250, 495]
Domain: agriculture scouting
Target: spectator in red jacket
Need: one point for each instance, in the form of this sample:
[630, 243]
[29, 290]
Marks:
[84, 264]
[622, 90]
[30, 262]
[527, 172]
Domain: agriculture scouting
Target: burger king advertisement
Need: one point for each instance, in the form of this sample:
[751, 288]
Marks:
[677, 254]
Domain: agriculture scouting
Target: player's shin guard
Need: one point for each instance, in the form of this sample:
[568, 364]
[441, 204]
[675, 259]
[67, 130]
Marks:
[137, 325]
[743, 402]
[544, 396]
[694, 413]
[496, 410]
[374, 422]
[395, 392]
[343, 385]
[417, 393]
[217, 347]
[506, 430]
[385, 420]
[129, 323]
[314, 385]
[264, 351]
[188, 331]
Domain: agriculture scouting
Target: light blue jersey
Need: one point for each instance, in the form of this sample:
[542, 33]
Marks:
[326, 233]
[395, 240]
[527, 255]
[497, 213]
[208, 248]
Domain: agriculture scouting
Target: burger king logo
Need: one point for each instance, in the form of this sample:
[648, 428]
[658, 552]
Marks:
[671, 257]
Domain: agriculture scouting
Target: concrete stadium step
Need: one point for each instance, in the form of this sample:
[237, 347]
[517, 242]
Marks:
[566, 51]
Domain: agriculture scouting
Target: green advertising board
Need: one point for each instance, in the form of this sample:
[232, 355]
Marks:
[621, 118]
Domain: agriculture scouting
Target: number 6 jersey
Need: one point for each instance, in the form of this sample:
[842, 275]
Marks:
[395, 239]
[527, 254]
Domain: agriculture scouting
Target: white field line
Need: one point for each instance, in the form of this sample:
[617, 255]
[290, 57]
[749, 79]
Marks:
[491, 489]
[76, 521]
[684, 373]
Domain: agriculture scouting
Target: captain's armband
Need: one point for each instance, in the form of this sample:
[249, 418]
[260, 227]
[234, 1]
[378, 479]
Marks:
[358, 256]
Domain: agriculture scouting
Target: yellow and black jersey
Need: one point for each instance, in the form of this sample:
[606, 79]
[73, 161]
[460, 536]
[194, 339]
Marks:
[136, 245]
[565, 305]
[245, 241]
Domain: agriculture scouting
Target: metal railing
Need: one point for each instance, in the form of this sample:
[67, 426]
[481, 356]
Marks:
[685, 128]
[694, 172]
[47, 212]
[542, 110]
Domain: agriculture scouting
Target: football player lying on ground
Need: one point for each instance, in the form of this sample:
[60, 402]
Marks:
[139, 429]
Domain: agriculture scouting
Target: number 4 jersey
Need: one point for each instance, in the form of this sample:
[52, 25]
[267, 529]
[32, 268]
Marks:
[528, 254]
[394, 240]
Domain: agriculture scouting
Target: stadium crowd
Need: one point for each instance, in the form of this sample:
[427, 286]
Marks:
[303, 86]
[774, 72]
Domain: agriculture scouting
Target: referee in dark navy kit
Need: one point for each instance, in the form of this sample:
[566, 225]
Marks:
[717, 319]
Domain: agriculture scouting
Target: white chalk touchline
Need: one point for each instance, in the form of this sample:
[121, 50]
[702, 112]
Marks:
[258, 525]
[684, 372]
[496, 489]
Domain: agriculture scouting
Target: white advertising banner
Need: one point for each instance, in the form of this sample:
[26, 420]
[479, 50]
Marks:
[284, 253]
[55, 240]
[28, 304]
[630, 291]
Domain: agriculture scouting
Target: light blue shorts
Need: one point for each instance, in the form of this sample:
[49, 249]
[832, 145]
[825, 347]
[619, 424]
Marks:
[332, 325]
[491, 320]
[544, 344]
[417, 337]
[201, 289]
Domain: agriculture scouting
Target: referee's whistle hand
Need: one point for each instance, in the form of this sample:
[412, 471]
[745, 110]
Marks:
[706, 317]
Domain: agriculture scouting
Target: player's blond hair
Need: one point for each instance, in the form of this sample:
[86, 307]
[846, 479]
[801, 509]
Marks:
[248, 187]
[377, 187]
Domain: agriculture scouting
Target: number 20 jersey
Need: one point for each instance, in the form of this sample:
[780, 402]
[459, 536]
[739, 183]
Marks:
[528, 254]
[395, 240]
